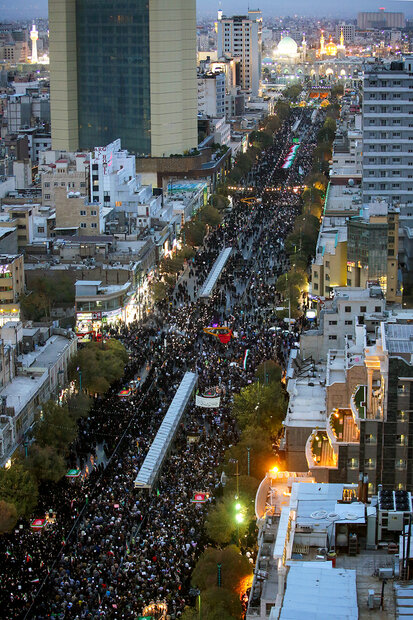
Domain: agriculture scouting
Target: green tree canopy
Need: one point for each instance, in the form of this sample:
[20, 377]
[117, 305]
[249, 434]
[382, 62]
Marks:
[18, 487]
[56, 429]
[261, 455]
[210, 215]
[194, 233]
[45, 463]
[159, 291]
[100, 364]
[8, 516]
[268, 371]
[260, 405]
[235, 568]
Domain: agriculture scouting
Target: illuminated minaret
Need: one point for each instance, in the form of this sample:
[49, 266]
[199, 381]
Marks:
[34, 35]
[322, 50]
[341, 38]
[304, 47]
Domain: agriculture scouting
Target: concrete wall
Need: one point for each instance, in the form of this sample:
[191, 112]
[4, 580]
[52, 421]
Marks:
[174, 95]
[63, 74]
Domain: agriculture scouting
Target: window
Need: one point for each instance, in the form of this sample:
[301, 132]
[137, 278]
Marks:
[370, 463]
[401, 464]
[332, 337]
[40, 229]
[332, 322]
[47, 184]
[83, 213]
[402, 416]
[83, 224]
[347, 309]
[94, 225]
[371, 488]
[315, 286]
[47, 196]
[353, 463]
[363, 308]
[93, 212]
[348, 322]
[402, 440]
[371, 439]
[377, 308]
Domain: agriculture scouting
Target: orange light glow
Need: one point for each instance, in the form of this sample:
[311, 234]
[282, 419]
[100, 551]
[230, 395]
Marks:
[274, 470]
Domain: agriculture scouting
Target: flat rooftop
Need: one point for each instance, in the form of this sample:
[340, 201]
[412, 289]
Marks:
[315, 590]
[47, 355]
[22, 389]
[307, 402]
[399, 338]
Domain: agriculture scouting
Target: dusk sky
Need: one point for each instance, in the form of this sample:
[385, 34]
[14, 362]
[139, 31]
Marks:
[24, 9]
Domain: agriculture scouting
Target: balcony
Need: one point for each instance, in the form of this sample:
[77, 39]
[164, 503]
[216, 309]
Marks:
[358, 403]
[319, 451]
[341, 427]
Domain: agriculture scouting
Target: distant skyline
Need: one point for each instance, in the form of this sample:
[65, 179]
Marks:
[22, 9]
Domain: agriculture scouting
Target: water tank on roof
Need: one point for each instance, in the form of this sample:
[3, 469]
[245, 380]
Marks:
[351, 182]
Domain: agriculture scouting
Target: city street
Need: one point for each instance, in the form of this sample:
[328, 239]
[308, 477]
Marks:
[113, 550]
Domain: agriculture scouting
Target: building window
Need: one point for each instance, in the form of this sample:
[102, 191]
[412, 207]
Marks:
[332, 337]
[371, 488]
[371, 439]
[83, 225]
[363, 309]
[94, 225]
[83, 213]
[47, 184]
[370, 463]
[332, 322]
[315, 286]
[401, 464]
[402, 440]
[47, 196]
[348, 322]
[94, 212]
[377, 308]
[40, 229]
[353, 463]
[402, 416]
[347, 309]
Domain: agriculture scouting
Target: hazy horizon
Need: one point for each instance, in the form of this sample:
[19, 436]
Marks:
[21, 9]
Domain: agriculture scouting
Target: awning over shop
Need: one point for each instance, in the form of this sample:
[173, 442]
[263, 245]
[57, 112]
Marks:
[215, 273]
[166, 433]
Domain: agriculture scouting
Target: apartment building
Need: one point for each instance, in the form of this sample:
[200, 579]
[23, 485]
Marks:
[145, 93]
[75, 214]
[11, 286]
[388, 134]
[211, 94]
[240, 37]
[70, 172]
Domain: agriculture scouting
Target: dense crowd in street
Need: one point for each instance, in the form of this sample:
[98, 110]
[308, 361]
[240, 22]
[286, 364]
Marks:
[129, 548]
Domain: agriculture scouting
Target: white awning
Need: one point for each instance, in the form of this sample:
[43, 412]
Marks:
[215, 272]
[166, 433]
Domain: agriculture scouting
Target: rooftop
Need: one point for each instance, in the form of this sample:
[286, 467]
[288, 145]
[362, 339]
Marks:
[398, 338]
[47, 355]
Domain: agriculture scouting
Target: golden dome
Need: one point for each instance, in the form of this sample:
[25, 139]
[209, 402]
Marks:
[331, 49]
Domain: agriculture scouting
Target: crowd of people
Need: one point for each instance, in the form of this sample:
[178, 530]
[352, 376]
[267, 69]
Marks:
[113, 550]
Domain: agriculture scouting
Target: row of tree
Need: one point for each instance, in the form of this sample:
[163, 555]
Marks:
[95, 367]
[259, 409]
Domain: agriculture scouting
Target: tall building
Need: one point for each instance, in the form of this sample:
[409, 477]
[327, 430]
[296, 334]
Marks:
[347, 30]
[240, 37]
[34, 35]
[123, 71]
[380, 19]
[388, 135]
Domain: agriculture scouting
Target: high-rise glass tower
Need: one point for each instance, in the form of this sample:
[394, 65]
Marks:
[123, 69]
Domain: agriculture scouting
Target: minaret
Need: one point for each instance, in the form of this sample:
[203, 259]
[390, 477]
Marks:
[322, 50]
[34, 35]
[341, 38]
[220, 12]
[304, 47]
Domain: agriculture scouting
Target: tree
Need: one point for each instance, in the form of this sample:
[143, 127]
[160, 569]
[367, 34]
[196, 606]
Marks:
[260, 405]
[8, 516]
[45, 463]
[56, 429]
[268, 371]
[18, 487]
[210, 215]
[159, 291]
[194, 233]
[235, 568]
[219, 201]
[220, 524]
[261, 455]
[79, 405]
[221, 604]
[100, 363]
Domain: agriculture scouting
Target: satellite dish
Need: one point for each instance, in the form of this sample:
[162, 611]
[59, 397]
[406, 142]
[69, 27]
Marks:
[351, 182]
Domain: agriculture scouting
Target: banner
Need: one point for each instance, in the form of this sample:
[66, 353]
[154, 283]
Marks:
[207, 402]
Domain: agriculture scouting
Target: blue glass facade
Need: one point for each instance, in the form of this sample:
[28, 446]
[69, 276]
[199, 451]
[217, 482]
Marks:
[113, 73]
